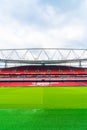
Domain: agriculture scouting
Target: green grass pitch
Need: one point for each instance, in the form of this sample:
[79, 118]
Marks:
[43, 97]
[43, 108]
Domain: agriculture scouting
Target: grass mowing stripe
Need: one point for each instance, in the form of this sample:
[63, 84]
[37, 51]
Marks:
[21, 97]
[64, 97]
[43, 119]
[43, 97]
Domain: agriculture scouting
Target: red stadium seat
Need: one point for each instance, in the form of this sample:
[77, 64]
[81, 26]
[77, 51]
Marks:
[43, 75]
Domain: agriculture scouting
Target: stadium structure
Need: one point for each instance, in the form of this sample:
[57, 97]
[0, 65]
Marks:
[43, 67]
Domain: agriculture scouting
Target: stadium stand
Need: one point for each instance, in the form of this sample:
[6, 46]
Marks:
[41, 75]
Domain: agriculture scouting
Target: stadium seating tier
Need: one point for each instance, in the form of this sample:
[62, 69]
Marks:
[43, 76]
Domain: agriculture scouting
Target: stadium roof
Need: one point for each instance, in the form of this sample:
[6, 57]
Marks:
[43, 56]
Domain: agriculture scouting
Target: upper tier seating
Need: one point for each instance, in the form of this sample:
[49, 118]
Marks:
[43, 70]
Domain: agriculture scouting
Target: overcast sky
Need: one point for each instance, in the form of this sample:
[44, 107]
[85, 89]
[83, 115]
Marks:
[43, 23]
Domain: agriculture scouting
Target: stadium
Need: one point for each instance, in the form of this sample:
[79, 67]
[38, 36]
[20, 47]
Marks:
[50, 82]
[43, 67]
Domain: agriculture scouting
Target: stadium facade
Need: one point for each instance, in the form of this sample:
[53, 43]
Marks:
[43, 67]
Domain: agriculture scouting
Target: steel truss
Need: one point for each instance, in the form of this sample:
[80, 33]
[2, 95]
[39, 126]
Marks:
[43, 56]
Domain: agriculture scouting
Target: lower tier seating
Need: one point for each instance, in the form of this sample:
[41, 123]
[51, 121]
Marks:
[34, 84]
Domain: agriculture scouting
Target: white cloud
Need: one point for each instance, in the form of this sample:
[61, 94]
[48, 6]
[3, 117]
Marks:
[74, 32]
[60, 28]
[18, 35]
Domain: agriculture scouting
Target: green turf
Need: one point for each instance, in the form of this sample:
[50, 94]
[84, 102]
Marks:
[43, 119]
[43, 97]
[43, 108]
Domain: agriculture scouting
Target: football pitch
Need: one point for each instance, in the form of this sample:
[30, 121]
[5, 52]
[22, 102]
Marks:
[43, 97]
[43, 108]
